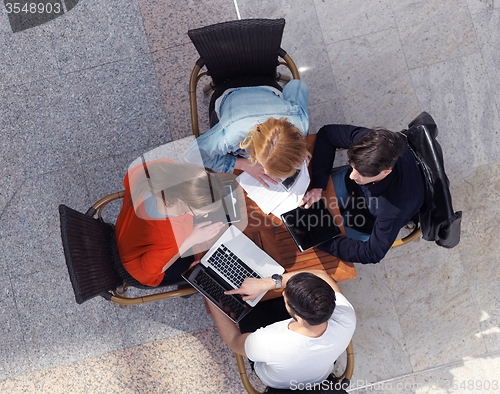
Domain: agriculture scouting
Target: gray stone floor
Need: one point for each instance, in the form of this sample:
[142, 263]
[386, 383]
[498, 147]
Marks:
[85, 94]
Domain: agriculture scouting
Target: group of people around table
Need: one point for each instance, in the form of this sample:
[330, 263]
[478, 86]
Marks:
[293, 340]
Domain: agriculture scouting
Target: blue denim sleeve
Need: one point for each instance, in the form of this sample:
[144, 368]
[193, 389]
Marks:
[296, 92]
[211, 152]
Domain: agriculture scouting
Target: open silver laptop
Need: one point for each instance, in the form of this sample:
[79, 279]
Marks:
[232, 259]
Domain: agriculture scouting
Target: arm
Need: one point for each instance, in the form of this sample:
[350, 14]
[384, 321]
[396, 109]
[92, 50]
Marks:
[252, 287]
[229, 331]
[328, 140]
[383, 235]
[211, 150]
[201, 232]
[296, 92]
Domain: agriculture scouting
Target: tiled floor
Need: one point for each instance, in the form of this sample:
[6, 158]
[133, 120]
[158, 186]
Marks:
[85, 94]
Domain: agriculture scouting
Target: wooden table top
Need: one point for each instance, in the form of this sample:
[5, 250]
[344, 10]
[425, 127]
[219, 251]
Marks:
[269, 233]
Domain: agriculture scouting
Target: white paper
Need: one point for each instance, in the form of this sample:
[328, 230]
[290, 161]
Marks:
[275, 199]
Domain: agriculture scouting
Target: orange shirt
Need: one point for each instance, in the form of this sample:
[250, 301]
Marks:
[146, 245]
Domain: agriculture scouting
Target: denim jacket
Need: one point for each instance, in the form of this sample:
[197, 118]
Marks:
[240, 111]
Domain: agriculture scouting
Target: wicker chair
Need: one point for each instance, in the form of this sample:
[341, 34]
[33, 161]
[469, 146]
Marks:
[237, 53]
[346, 375]
[93, 261]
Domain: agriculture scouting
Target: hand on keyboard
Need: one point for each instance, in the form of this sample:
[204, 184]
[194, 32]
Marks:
[252, 287]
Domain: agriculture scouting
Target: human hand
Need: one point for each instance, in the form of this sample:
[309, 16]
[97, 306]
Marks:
[251, 288]
[194, 263]
[204, 231]
[256, 171]
[311, 197]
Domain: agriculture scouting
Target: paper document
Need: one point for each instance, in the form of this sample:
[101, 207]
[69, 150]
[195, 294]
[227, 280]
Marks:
[280, 198]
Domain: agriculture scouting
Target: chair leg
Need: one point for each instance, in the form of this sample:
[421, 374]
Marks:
[122, 291]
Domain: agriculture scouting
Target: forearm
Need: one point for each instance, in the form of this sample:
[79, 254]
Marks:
[228, 330]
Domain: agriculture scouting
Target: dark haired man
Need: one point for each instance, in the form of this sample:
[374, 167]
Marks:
[297, 350]
[378, 193]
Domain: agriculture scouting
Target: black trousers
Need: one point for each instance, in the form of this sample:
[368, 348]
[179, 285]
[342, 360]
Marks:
[264, 314]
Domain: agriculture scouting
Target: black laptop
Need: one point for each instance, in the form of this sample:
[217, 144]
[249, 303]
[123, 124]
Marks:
[310, 227]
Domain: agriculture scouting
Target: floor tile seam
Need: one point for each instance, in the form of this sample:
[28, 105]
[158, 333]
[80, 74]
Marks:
[427, 370]
[19, 319]
[404, 54]
[4, 88]
[393, 300]
[325, 48]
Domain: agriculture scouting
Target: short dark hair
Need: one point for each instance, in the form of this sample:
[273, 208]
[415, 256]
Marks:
[310, 297]
[375, 152]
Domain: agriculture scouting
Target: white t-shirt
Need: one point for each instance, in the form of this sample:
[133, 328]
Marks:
[284, 358]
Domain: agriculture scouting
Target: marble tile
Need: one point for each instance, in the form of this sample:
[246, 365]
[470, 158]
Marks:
[440, 381]
[346, 19]
[477, 195]
[97, 32]
[162, 319]
[490, 364]
[487, 302]
[378, 91]
[30, 229]
[305, 46]
[14, 359]
[434, 31]
[56, 329]
[477, 6]
[327, 112]
[437, 315]
[487, 27]
[127, 107]
[379, 344]
[13, 355]
[27, 55]
[97, 375]
[206, 363]
[458, 95]
[167, 22]
[17, 385]
[173, 69]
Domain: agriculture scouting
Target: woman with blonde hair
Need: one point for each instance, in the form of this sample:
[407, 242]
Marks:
[155, 226]
[260, 130]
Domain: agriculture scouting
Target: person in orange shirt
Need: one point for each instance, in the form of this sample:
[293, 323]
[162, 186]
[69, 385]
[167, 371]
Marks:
[155, 226]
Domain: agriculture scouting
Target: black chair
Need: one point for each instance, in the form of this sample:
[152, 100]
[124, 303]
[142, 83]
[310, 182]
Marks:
[438, 221]
[237, 53]
[93, 261]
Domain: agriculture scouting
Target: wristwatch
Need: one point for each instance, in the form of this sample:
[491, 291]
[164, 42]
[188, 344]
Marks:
[277, 279]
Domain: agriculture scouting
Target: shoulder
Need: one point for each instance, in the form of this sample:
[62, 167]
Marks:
[343, 310]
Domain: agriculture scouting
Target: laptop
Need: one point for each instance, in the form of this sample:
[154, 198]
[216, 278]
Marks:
[310, 227]
[232, 259]
[229, 210]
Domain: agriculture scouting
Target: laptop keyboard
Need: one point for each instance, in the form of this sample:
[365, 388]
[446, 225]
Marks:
[227, 263]
[216, 291]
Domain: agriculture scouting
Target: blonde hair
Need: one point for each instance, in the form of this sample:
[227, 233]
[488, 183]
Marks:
[277, 145]
[197, 186]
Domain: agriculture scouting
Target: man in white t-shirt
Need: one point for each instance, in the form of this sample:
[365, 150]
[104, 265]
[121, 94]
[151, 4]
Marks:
[301, 349]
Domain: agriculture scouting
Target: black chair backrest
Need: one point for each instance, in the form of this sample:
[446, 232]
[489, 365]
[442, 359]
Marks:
[89, 256]
[236, 49]
[438, 221]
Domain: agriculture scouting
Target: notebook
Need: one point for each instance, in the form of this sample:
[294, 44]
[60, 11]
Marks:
[232, 259]
[310, 227]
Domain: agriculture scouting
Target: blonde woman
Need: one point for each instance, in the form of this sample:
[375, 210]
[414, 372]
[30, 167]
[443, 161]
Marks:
[155, 226]
[260, 131]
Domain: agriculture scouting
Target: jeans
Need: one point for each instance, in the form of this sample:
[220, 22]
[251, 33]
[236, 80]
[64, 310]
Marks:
[338, 180]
